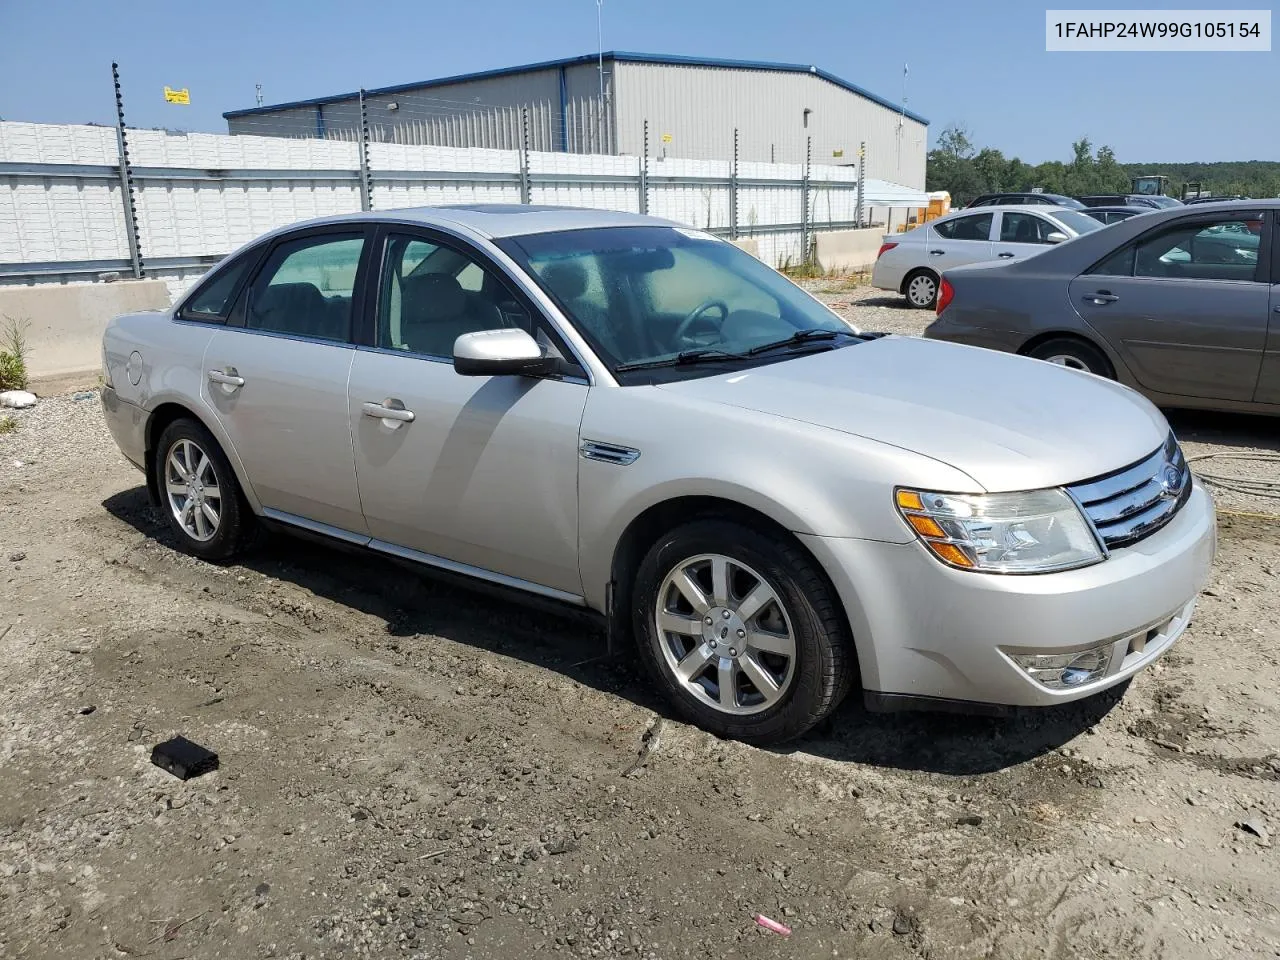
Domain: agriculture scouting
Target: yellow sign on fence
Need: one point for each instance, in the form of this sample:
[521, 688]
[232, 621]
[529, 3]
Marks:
[666, 138]
[182, 96]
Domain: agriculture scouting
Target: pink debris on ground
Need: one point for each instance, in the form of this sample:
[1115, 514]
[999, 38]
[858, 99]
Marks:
[773, 925]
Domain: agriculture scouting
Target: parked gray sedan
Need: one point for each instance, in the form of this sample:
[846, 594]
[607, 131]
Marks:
[1181, 304]
[640, 420]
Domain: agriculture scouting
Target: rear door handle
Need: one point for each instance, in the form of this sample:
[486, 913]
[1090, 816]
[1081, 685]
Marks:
[936, 253]
[227, 377]
[1101, 297]
[1006, 256]
[383, 411]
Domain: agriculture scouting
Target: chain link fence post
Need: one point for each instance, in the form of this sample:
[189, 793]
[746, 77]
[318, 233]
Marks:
[126, 181]
[644, 172]
[526, 193]
[862, 182]
[806, 253]
[366, 177]
[733, 190]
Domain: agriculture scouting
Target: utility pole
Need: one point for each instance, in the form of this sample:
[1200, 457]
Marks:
[258, 93]
[902, 117]
[600, 48]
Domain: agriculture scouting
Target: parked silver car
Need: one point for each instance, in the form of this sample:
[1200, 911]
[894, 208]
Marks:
[911, 262]
[632, 417]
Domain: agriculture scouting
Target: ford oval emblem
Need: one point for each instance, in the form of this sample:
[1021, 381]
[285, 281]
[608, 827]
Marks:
[1171, 481]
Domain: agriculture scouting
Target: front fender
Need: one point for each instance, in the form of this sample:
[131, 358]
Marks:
[808, 479]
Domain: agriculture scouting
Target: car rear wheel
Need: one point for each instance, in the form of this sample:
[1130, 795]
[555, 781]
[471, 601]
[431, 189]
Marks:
[741, 631]
[921, 289]
[199, 493]
[1075, 354]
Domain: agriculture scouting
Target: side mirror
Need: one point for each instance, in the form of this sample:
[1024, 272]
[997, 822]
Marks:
[496, 353]
[1056, 236]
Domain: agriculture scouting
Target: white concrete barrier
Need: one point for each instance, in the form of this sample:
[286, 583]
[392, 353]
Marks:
[64, 323]
[849, 251]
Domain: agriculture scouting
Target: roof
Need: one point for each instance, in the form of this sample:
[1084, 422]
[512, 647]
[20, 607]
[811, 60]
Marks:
[618, 56]
[495, 219]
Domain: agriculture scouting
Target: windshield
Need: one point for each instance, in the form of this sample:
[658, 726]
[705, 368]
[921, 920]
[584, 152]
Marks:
[647, 294]
[1079, 222]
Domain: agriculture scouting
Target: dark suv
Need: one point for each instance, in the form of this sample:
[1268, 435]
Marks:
[1130, 200]
[1027, 200]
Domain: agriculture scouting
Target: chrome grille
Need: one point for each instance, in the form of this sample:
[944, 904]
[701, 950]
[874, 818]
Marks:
[1135, 502]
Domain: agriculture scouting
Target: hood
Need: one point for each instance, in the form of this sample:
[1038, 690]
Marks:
[1009, 422]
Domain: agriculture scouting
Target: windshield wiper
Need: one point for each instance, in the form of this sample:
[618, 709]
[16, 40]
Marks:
[680, 359]
[799, 337]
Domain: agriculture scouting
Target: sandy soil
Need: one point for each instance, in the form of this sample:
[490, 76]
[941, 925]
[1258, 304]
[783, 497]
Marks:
[412, 770]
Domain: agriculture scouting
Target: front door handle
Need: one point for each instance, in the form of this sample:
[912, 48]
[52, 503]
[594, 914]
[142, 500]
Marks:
[228, 377]
[936, 253]
[386, 411]
[1006, 256]
[1101, 297]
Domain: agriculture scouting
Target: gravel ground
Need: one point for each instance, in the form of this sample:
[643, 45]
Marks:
[412, 770]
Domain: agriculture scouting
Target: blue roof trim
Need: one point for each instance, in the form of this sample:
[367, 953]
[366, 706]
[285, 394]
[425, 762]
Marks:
[620, 56]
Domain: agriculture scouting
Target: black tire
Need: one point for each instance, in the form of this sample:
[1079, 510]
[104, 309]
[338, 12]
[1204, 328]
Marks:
[1077, 354]
[825, 663]
[235, 521]
[926, 296]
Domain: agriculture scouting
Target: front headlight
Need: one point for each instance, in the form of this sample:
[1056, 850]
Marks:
[1034, 532]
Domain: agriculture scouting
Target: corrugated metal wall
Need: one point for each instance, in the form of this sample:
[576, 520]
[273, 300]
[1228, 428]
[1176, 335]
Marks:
[563, 107]
[700, 106]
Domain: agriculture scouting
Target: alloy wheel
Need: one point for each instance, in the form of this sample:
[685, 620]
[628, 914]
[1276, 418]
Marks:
[191, 485]
[1067, 360]
[725, 634]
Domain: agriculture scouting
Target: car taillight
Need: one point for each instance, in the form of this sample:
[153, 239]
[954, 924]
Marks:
[945, 293]
[884, 248]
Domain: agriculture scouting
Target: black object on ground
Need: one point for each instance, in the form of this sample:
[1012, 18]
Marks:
[183, 758]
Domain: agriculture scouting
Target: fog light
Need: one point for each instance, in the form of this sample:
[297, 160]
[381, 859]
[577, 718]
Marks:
[1060, 671]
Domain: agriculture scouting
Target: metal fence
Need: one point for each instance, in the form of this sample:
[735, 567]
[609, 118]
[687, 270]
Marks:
[86, 201]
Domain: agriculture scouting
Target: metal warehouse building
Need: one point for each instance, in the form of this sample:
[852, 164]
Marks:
[692, 107]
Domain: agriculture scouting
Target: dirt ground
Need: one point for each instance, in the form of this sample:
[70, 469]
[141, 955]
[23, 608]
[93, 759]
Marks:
[409, 769]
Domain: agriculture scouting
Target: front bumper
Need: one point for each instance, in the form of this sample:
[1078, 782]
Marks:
[128, 425]
[924, 630]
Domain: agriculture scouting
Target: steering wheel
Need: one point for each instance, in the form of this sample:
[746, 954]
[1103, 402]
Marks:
[696, 313]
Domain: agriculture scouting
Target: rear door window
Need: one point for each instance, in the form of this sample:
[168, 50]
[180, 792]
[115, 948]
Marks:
[1024, 228]
[305, 288]
[966, 228]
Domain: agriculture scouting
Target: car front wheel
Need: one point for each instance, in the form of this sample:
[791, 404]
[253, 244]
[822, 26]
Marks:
[741, 631]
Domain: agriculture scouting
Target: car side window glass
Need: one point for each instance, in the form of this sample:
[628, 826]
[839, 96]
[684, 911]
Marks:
[213, 299]
[306, 286]
[1225, 249]
[1024, 228]
[1117, 264]
[966, 228]
[432, 294]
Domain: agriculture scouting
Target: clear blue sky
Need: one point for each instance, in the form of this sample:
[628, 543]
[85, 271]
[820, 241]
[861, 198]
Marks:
[982, 65]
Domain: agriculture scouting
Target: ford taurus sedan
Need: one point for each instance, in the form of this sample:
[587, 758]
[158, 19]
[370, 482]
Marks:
[637, 419]
[910, 263]
[1181, 304]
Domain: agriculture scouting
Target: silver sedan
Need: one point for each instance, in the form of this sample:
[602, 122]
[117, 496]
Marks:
[638, 419]
[911, 263]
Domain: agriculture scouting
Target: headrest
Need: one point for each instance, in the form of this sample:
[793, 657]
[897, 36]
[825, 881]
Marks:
[290, 296]
[430, 297]
[566, 278]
